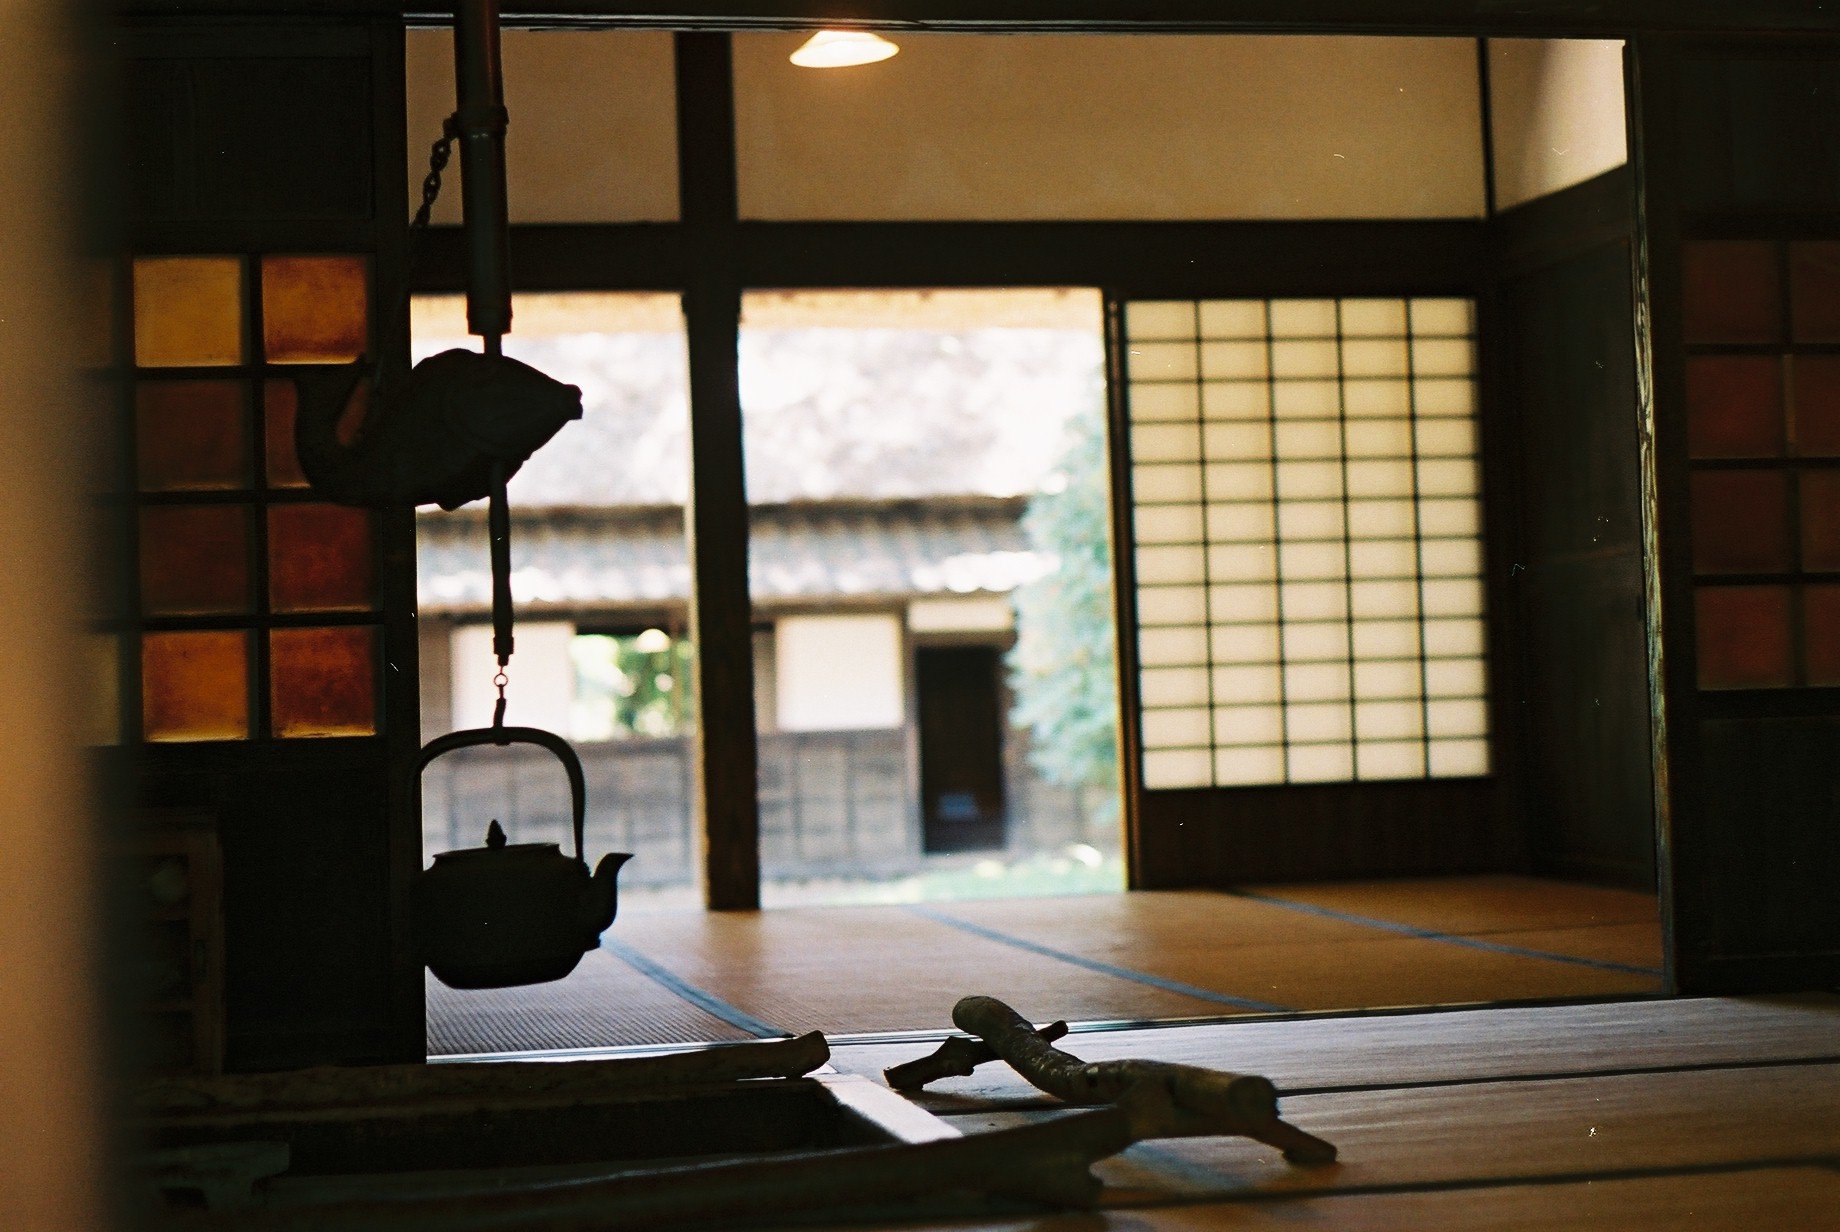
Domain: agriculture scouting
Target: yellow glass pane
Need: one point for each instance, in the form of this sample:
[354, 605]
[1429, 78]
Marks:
[195, 686]
[191, 435]
[315, 310]
[188, 311]
[323, 682]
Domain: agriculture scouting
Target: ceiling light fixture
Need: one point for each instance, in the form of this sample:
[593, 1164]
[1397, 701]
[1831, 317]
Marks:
[842, 49]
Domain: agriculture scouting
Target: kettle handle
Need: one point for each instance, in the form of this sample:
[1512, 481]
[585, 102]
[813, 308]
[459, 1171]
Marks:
[564, 751]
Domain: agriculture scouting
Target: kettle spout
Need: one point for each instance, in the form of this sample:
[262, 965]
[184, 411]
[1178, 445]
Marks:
[603, 901]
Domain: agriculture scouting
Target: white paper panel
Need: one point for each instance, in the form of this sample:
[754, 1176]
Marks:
[1176, 768]
[1303, 358]
[1165, 442]
[1319, 721]
[1315, 641]
[1244, 522]
[1244, 725]
[1314, 600]
[1233, 318]
[1166, 646]
[1229, 361]
[1163, 361]
[1303, 318]
[1167, 523]
[1385, 680]
[1374, 357]
[1454, 758]
[1240, 604]
[1310, 438]
[1248, 766]
[1366, 398]
[1380, 438]
[1301, 520]
[1229, 442]
[1400, 720]
[1245, 644]
[1401, 759]
[1166, 483]
[1163, 402]
[1306, 399]
[1327, 764]
[1368, 318]
[1171, 605]
[1236, 400]
[1316, 682]
[1172, 728]
[1150, 320]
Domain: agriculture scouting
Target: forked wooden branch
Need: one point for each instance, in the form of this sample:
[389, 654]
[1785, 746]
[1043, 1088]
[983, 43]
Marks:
[1161, 1099]
[955, 1058]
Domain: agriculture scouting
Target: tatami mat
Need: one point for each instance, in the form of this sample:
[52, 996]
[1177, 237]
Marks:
[1124, 957]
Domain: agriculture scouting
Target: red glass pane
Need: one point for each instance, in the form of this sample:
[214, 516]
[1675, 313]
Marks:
[280, 403]
[1743, 636]
[1732, 291]
[1821, 521]
[1821, 634]
[1741, 522]
[319, 558]
[323, 682]
[1814, 292]
[194, 559]
[1734, 406]
[315, 310]
[195, 686]
[1815, 384]
[191, 435]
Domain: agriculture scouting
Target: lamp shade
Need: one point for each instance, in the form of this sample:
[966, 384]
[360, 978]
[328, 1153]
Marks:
[842, 49]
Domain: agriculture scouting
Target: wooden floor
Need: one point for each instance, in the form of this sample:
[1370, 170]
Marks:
[1702, 1115]
[1140, 957]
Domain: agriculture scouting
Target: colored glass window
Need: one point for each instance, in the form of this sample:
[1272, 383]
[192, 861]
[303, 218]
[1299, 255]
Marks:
[315, 310]
[1816, 381]
[1741, 522]
[280, 404]
[191, 435]
[1732, 291]
[1814, 292]
[195, 686]
[1821, 634]
[1743, 637]
[1821, 521]
[319, 558]
[323, 681]
[1734, 406]
[194, 559]
[188, 311]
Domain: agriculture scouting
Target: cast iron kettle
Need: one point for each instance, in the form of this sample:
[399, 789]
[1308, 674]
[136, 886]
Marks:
[513, 913]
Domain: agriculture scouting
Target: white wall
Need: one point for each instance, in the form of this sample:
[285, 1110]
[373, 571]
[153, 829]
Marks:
[1113, 127]
[991, 127]
[593, 134]
[839, 673]
[1556, 114]
[542, 688]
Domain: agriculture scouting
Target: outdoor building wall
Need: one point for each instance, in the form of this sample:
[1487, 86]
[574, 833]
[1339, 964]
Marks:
[840, 673]
[542, 688]
[974, 614]
[593, 133]
[1555, 114]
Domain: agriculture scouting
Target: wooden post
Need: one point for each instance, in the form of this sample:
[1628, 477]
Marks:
[716, 516]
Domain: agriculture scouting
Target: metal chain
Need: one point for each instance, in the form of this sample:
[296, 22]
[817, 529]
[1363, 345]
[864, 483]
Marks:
[438, 155]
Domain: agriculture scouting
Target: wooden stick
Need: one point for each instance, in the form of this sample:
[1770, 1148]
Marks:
[955, 1058]
[1162, 1099]
[382, 1086]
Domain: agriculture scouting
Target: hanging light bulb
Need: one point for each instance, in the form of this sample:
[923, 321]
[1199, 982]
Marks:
[842, 49]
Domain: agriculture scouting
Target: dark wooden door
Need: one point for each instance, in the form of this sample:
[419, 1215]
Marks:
[961, 747]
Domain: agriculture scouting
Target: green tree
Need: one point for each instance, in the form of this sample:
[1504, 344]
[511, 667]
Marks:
[1062, 668]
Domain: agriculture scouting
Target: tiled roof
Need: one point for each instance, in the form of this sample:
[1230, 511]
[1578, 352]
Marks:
[583, 559]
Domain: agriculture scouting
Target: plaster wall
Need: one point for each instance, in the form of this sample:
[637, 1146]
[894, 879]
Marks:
[986, 127]
[1556, 114]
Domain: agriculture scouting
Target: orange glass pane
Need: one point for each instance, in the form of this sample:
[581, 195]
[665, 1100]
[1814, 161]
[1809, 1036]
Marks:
[188, 311]
[1821, 521]
[1814, 292]
[194, 559]
[1743, 637]
[1741, 522]
[1814, 381]
[1734, 406]
[319, 558]
[191, 435]
[315, 310]
[1821, 634]
[323, 682]
[1732, 291]
[280, 403]
[195, 686]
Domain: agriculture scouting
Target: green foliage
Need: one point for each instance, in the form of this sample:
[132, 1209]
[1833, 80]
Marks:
[621, 690]
[1062, 668]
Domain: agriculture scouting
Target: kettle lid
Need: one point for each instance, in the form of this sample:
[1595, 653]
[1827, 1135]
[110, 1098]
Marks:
[497, 846]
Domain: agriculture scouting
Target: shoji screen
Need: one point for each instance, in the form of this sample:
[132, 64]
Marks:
[1306, 530]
